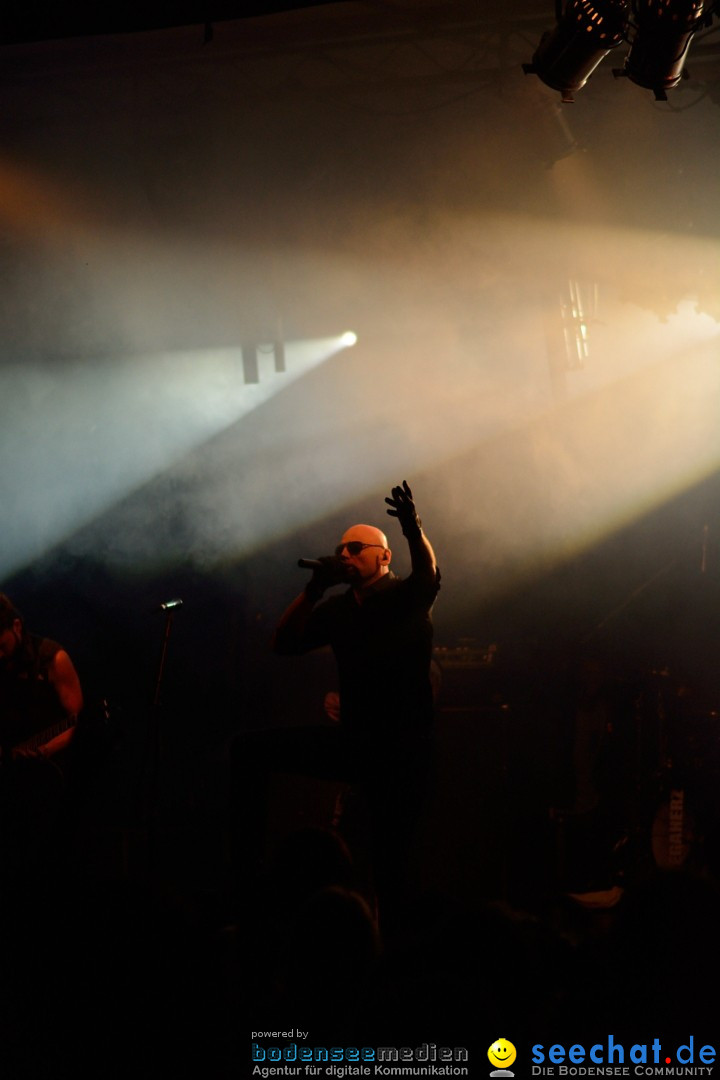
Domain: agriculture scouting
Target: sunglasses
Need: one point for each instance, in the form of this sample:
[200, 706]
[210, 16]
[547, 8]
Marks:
[354, 547]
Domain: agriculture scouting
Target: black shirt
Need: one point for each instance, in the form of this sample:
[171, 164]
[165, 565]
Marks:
[383, 648]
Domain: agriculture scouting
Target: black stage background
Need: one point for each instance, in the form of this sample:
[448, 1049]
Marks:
[194, 211]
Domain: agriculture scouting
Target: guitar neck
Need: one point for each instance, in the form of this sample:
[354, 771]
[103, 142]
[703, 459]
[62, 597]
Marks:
[41, 738]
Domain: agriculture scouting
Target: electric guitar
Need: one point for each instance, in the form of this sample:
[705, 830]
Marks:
[42, 738]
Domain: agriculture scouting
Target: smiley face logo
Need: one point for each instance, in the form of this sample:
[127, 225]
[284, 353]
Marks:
[502, 1054]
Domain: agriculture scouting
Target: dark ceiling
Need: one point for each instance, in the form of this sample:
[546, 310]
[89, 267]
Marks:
[40, 22]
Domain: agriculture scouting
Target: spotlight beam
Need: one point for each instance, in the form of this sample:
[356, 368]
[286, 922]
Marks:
[115, 427]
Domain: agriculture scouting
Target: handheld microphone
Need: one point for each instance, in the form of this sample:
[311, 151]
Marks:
[309, 564]
[170, 604]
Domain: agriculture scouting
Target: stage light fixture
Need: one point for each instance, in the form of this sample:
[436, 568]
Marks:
[279, 354]
[277, 338]
[586, 32]
[663, 32]
[251, 370]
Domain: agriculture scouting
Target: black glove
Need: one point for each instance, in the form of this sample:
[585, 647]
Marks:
[330, 572]
[403, 508]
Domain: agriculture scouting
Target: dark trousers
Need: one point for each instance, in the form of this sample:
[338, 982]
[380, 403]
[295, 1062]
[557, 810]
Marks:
[391, 775]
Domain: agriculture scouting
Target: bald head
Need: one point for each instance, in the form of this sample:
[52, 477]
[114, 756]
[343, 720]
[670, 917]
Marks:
[371, 562]
[366, 534]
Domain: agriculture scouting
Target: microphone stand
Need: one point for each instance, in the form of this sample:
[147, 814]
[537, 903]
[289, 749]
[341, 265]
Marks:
[170, 607]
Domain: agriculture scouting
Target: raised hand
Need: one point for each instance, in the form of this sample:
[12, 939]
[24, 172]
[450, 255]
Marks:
[402, 507]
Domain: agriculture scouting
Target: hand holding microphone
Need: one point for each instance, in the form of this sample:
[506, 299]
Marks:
[328, 570]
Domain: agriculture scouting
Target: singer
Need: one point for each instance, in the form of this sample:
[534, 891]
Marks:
[380, 630]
